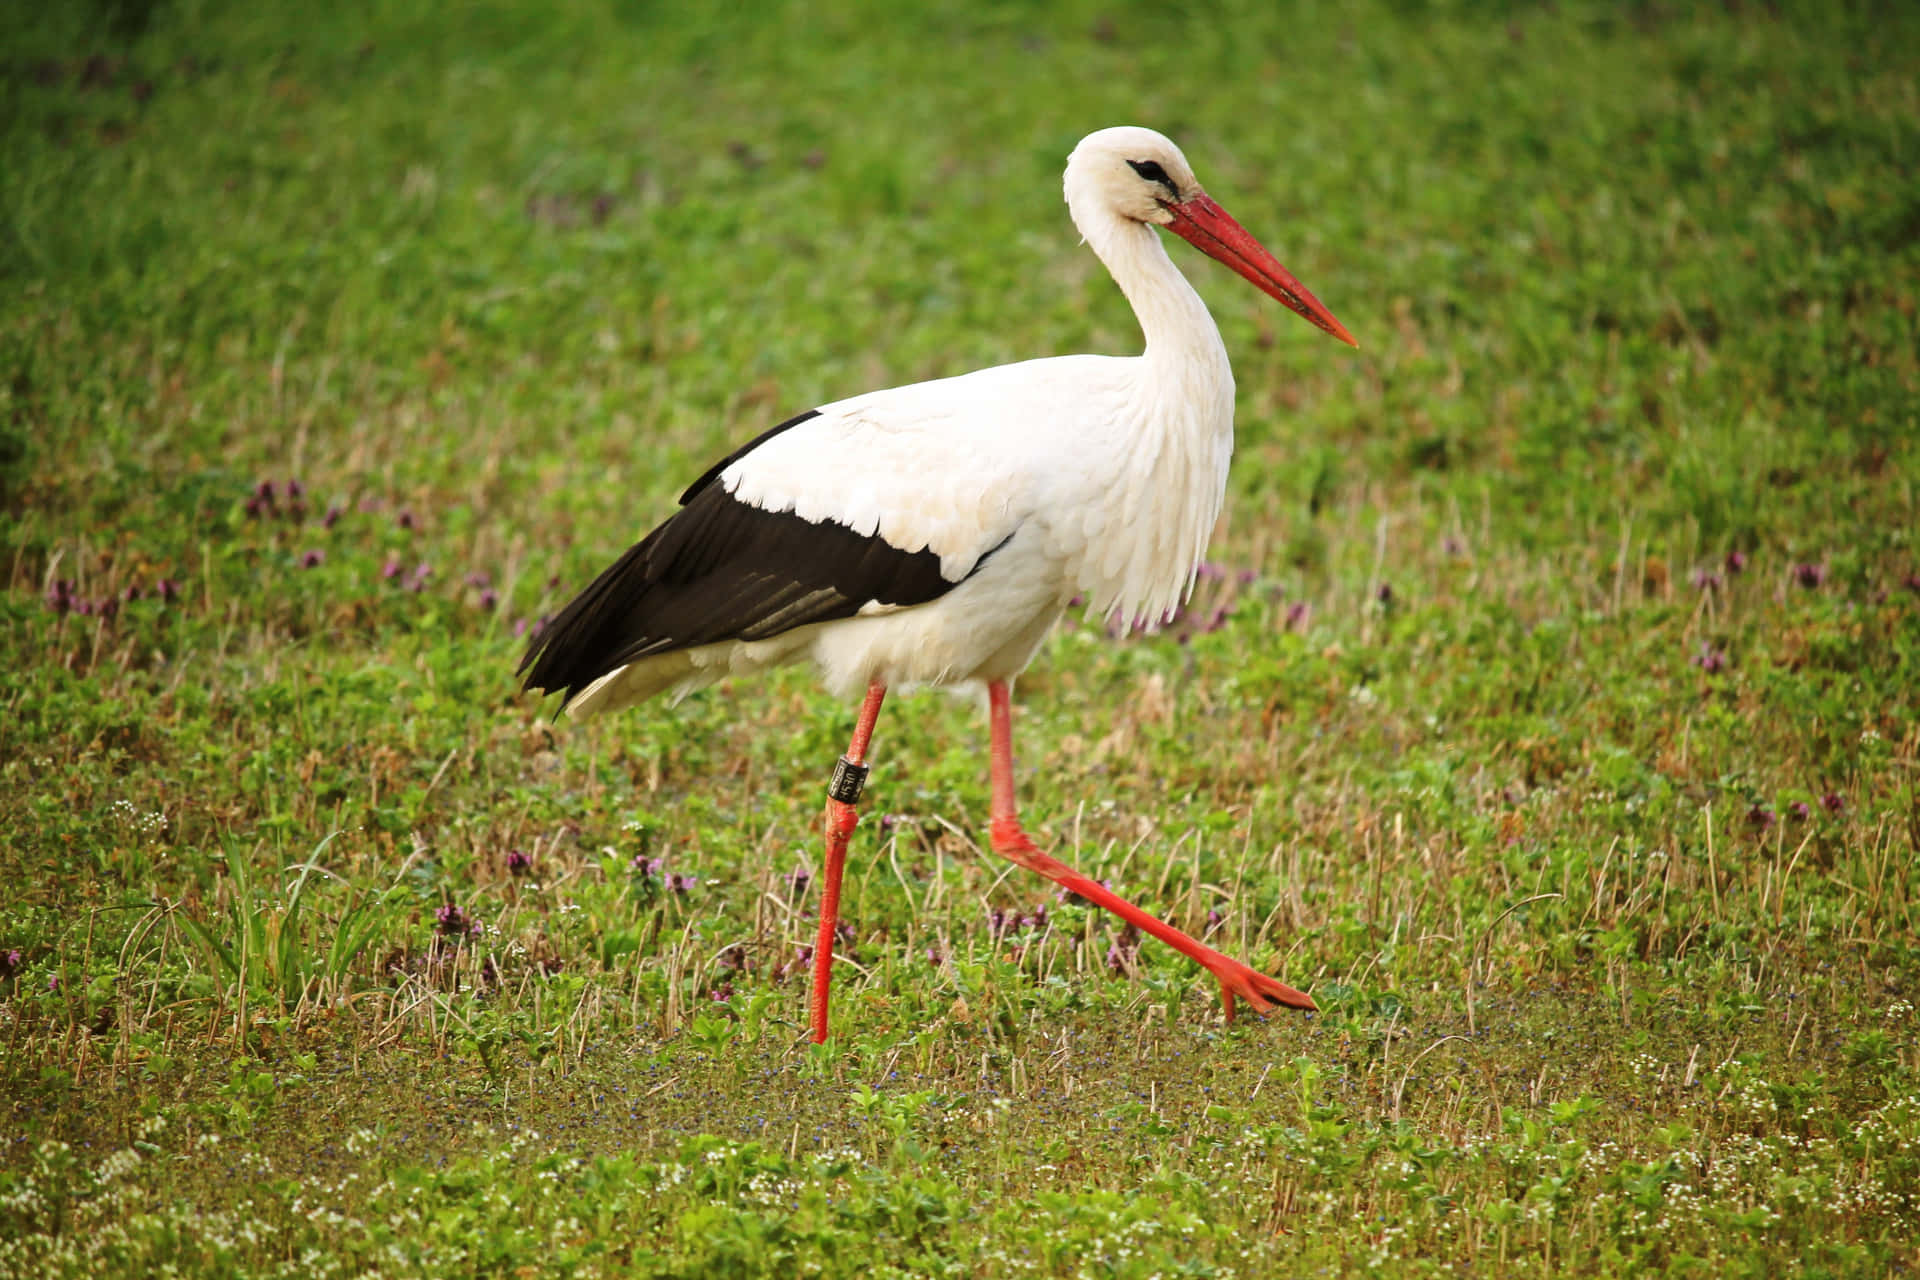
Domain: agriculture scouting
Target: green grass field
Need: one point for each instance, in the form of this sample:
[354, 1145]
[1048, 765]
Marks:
[1554, 715]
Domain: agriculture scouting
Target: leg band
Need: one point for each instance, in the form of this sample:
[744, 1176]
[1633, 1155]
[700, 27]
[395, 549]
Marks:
[848, 781]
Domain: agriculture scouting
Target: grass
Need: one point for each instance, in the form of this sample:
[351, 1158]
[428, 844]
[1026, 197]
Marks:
[1552, 715]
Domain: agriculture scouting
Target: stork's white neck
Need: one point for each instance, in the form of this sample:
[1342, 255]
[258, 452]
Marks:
[1183, 344]
[1168, 487]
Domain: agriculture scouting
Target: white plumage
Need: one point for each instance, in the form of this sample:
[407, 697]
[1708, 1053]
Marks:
[1095, 476]
[932, 534]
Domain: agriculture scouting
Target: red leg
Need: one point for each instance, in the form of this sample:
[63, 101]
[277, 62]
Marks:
[1010, 841]
[842, 817]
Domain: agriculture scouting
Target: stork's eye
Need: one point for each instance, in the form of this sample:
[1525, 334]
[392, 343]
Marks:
[1152, 172]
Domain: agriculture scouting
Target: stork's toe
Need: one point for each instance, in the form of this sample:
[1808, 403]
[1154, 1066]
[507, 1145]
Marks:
[1257, 989]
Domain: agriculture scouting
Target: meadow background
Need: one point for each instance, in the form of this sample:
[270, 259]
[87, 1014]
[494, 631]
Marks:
[1550, 709]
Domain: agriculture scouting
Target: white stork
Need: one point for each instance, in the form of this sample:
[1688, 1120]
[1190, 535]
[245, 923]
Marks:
[932, 534]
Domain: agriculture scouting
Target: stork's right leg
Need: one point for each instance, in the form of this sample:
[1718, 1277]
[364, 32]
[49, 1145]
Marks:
[841, 818]
[1009, 841]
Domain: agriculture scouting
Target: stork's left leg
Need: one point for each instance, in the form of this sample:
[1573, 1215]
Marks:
[1235, 979]
[849, 775]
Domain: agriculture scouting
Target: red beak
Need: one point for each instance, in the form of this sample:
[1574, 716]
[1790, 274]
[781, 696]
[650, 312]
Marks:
[1210, 229]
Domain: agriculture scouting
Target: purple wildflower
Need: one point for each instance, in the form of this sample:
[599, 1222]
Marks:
[1736, 561]
[479, 578]
[1760, 817]
[1125, 950]
[108, 608]
[391, 569]
[60, 597]
[888, 821]
[734, 959]
[9, 963]
[453, 922]
[264, 500]
[1832, 802]
[132, 592]
[169, 590]
[312, 559]
[1800, 810]
[1297, 615]
[798, 881]
[1452, 546]
[646, 866]
[519, 628]
[936, 957]
[417, 580]
[1710, 660]
[1214, 919]
[1911, 582]
[682, 883]
[1707, 580]
[1208, 571]
[722, 992]
[996, 924]
[1384, 593]
[843, 932]
[296, 490]
[489, 599]
[799, 960]
[332, 517]
[1810, 575]
[53, 982]
[519, 862]
[405, 519]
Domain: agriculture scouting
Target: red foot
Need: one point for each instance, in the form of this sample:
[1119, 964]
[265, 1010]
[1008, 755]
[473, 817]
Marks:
[1235, 979]
[1256, 988]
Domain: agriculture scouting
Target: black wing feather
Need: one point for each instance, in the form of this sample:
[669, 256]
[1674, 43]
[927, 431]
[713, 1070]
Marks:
[722, 569]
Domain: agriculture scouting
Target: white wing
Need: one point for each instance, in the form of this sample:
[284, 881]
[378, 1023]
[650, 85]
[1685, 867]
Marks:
[956, 465]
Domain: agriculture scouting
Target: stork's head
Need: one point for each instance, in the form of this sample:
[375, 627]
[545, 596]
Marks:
[1139, 175]
[1134, 172]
